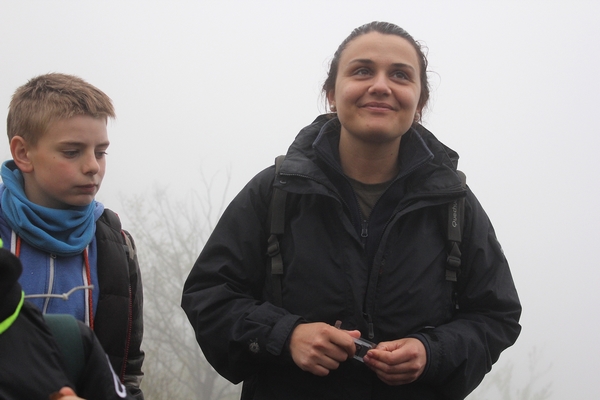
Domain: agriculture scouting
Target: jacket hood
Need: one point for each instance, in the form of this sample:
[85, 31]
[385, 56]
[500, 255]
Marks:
[10, 289]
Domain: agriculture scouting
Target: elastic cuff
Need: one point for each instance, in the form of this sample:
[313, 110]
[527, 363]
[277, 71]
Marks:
[423, 339]
[278, 338]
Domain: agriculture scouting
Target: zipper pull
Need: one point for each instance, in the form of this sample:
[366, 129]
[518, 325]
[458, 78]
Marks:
[365, 229]
[371, 333]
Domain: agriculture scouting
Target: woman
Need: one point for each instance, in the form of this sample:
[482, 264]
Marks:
[364, 248]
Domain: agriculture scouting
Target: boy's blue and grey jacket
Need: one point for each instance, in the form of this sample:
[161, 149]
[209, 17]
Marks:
[387, 276]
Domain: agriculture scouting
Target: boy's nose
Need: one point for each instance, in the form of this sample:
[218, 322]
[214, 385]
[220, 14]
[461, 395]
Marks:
[91, 165]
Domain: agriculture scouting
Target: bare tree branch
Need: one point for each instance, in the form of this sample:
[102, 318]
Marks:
[169, 235]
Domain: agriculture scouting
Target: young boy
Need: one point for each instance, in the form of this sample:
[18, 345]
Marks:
[67, 241]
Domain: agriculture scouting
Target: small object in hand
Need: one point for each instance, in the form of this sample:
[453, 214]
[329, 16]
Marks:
[362, 347]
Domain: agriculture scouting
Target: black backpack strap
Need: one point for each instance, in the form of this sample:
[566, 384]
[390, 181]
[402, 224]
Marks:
[66, 332]
[112, 220]
[276, 226]
[456, 211]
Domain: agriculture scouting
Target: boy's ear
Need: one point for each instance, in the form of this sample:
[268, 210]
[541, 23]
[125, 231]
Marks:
[20, 153]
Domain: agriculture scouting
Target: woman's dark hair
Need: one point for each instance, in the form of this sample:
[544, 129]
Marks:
[385, 28]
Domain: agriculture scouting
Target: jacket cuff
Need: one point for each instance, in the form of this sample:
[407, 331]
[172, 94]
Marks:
[428, 372]
[278, 339]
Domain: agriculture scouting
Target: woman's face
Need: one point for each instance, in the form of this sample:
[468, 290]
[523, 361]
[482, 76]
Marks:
[377, 89]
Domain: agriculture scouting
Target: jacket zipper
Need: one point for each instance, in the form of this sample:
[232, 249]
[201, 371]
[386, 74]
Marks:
[364, 234]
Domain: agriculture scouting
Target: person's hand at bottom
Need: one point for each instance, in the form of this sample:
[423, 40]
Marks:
[319, 348]
[398, 362]
[65, 393]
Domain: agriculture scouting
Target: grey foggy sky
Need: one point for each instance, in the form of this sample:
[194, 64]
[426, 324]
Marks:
[209, 87]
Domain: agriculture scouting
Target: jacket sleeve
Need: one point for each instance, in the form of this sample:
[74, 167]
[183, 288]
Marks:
[223, 293]
[462, 351]
[133, 375]
[98, 381]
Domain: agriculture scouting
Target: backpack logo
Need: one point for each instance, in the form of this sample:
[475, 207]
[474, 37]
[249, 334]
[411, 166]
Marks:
[119, 388]
[455, 214]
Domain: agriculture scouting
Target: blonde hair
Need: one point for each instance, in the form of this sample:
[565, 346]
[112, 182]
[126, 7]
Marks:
[48, 98]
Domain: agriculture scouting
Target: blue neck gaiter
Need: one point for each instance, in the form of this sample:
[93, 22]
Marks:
[61, 232]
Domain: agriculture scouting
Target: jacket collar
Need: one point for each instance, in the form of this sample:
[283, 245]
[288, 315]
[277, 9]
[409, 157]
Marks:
[428, 165]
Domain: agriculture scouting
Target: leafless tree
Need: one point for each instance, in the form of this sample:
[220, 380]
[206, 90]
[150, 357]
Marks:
[499, 384]
[169, 235]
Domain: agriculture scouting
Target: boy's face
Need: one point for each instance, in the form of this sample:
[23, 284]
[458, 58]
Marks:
[66, 166]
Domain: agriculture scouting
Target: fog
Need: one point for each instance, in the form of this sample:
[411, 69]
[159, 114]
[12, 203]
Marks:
[218, 89]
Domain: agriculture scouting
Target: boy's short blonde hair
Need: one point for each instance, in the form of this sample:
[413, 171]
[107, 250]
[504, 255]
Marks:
[49, 98]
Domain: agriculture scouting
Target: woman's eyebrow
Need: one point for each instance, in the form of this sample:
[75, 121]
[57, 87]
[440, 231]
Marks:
[368, 61]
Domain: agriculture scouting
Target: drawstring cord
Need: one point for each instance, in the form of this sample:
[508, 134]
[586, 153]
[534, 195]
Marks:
[87, 278]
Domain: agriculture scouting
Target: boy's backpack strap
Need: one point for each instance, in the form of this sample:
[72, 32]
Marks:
[456, 211]
[65, 329]
[112, 220]
[276, 228]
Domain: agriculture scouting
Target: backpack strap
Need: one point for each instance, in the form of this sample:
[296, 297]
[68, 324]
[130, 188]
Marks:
[65, 329]
[456, 211]
[112, 220]
[276, 228]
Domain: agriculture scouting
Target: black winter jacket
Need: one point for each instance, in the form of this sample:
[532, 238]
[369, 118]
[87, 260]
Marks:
[118, 322]
[384, 276]
[32, 365]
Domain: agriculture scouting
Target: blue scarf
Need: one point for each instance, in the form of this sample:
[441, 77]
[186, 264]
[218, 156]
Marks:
[61, 232]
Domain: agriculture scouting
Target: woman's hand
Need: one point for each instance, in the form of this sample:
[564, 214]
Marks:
[319, 348]
[398, 362]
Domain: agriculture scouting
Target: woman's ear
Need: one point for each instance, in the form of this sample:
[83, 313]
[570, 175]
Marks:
[19, 149]
[331, 101]
[418, 115]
